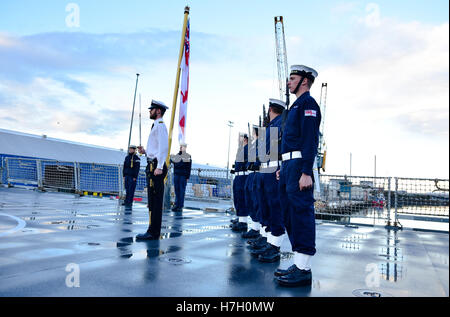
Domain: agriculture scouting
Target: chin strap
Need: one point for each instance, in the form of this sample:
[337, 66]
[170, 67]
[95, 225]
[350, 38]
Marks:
[299, 84]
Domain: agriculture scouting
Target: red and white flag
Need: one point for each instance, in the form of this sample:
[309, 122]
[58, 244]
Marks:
[184, 87]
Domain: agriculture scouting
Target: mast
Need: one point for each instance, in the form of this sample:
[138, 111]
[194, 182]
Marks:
[132, 113]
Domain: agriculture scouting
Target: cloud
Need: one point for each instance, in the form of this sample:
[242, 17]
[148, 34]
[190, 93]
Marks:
[373, 17]
[388, 94]
[388, 87]
[61, 53]
[432, 121]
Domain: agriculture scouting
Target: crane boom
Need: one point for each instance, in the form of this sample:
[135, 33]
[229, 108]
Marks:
[323, 106]
[322, 151]
[281, 54]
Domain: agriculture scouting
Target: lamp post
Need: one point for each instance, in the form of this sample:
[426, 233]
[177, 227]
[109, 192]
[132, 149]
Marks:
[230, 124]
[350, 163]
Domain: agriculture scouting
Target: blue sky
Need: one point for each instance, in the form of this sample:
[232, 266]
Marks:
[219, 17]
[386, 64]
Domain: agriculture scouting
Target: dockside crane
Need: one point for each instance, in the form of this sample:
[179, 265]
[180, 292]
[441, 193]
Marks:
[322, 151]
[281, 55]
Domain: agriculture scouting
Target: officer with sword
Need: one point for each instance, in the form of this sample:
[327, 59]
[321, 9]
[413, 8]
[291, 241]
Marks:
[156, 170]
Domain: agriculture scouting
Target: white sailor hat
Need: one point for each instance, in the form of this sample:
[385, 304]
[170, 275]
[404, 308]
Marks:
[304, 71]
[183, 144]
[277, 103]
[158, 104]
[132, 147]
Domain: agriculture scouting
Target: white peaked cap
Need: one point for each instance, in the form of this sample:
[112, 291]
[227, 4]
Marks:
[277, 103]
[303, 70]
[158, 104]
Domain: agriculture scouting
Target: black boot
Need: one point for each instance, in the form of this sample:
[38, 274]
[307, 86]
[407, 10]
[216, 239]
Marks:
[239, 227]
[296, 278]
[281, 272]
[257, 251]
[272, 254]
[146, 236]
[251, 234]
[258, 243]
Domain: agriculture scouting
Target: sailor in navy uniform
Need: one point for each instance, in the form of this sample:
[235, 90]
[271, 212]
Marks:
[271, 215]
[182, 165]
[241, 174]
[156, 170]
[131, 167]
[251, 201]
[299, 143]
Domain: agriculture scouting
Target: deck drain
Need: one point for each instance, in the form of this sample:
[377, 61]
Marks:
[91, 244]
[174, 260]
[369, 293]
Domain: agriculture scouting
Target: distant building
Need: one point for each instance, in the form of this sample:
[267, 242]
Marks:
[18, 144]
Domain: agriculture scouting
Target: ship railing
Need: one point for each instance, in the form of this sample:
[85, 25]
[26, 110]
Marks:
[343, 198]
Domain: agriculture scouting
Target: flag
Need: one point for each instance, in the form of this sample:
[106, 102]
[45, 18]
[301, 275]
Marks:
[184, 87]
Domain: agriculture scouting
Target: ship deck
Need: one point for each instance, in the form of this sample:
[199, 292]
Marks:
[42, 234]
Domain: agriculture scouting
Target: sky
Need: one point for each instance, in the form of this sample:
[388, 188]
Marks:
[386, 64]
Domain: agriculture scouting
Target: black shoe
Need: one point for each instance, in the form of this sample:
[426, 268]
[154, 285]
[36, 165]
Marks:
[296, 278]
[257, 243]
[251, 242]
[256, 252]
[251, 234]
[123, 204]
[235, 220]
[272, 254]
[146, 236]
[174, 208]
[280, 272]
[239, 227]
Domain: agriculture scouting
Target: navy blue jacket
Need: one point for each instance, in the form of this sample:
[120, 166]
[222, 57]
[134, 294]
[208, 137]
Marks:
[275, 123]
[241, 166]
[253, 164]
[301, 132]
[131, 171]
[182, 164]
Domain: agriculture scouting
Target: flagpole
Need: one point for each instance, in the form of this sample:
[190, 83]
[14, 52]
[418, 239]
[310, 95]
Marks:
[177, 81]
[132, 114]
[140, 121]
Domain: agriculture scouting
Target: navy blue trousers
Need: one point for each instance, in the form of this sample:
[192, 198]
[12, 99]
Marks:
[180, 189]
[298, 209]
[271, 213]
[250, 196]
[239, 195]
[130, 187]
[262, 206]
